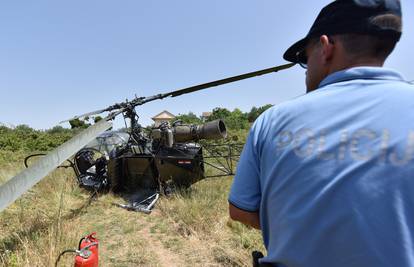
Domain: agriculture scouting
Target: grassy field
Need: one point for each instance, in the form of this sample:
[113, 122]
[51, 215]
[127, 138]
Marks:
[186, 229]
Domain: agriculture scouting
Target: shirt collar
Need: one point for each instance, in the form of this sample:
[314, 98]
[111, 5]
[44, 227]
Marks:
[366, 73]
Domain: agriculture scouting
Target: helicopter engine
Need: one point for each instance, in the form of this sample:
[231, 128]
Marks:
[181, 133]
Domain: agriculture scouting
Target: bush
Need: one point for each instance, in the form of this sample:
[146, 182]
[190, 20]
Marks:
[189, 118]
[236, 119]
[24, 138]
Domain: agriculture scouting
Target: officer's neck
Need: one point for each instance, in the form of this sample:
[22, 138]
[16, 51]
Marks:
[348, 62]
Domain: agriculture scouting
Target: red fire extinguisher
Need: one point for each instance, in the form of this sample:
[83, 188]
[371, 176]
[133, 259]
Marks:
[87, 253]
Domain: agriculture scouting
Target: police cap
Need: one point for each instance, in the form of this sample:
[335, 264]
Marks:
[350, 16]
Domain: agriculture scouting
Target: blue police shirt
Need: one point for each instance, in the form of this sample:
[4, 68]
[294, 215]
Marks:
[332, 173]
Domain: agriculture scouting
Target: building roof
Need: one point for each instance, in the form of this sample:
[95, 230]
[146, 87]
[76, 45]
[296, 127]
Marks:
[206, 114]
[165, 115]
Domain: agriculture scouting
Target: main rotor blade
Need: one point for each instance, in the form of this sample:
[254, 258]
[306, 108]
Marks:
[228, 80]
[199, 87]
[19, 184]
[86, 115]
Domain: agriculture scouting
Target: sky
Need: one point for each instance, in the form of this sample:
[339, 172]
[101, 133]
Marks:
[59, 59]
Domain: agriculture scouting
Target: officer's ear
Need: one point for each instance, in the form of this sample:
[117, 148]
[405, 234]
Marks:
[327, 45]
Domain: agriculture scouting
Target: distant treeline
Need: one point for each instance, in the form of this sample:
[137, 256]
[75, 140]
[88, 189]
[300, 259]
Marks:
[24, 138]
[235, 119]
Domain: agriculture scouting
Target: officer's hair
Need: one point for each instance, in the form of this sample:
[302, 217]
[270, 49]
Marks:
[372, 46]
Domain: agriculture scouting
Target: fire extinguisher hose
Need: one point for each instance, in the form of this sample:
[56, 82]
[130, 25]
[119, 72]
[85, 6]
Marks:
[82, 252]
[63, 253]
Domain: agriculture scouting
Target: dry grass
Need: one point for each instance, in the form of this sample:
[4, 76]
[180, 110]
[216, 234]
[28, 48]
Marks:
[10, 164]
[189, 228]
[200, 216]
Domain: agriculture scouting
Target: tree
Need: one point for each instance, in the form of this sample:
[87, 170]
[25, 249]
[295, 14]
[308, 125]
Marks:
[23, 128]
[237, 120]
[97, 118]
[264, 108]
[219, 113]
[77, 123]
[4, 129]
[57, 130]
[256, 112]
[189, 118]
[253, 114]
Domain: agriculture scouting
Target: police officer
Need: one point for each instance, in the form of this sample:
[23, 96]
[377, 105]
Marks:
[329, 177]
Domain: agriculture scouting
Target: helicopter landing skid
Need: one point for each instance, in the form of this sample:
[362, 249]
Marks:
[144, 206]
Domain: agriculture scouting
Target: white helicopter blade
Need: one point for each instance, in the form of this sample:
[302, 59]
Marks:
[19, 184]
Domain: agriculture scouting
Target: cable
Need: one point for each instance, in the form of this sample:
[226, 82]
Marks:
[26, 161]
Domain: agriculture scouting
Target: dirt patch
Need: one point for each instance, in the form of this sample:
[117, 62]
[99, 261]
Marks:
[165, 256]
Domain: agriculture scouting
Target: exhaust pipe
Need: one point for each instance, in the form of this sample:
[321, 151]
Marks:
[211, 130]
